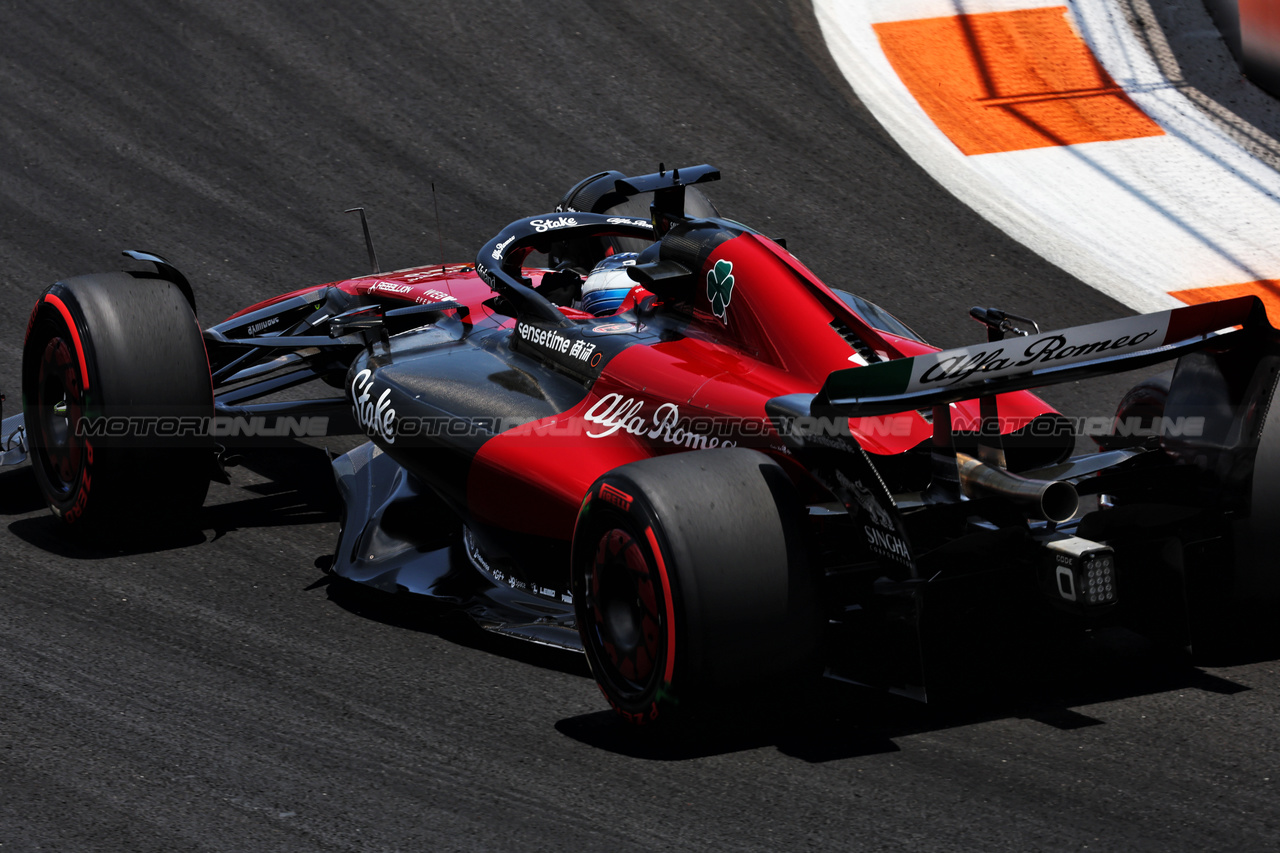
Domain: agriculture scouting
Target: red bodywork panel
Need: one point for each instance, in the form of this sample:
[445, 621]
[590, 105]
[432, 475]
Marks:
[705, 390]
[659, 399]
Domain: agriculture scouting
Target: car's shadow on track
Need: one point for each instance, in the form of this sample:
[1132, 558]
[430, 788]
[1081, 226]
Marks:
[835, 722]
[419, 613]
[281, 486]
[19, 493]
[292, 484]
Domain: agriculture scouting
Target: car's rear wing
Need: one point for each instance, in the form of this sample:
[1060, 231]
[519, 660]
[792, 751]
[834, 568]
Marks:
[1048, 358]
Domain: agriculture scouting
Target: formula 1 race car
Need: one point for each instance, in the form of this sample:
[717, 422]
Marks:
[670, 445]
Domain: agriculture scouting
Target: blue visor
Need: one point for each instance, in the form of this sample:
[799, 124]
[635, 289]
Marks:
[602, 302]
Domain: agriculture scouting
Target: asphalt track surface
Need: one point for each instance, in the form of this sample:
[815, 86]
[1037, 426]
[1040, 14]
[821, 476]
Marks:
[212, 692]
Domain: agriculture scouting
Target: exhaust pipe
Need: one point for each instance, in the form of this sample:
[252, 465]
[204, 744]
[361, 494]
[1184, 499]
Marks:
[1052, 500]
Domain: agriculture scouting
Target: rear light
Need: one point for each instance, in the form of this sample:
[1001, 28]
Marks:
[1080, 574]
[1097, 584]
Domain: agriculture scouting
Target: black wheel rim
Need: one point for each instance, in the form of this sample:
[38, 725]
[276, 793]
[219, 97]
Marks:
[59, 404]
[625, 610]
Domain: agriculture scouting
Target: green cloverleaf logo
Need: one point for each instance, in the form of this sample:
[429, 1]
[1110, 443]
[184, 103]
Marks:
[720, 287]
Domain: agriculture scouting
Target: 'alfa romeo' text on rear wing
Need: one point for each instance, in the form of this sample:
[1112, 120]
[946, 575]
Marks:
[1016, 364]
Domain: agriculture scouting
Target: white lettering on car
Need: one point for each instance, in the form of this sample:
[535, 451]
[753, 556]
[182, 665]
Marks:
[498, 249]
[1059, 348]
[375, 418]
[615, 413]
[541, 225]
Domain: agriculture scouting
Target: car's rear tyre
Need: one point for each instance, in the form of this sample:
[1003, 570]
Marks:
[1136, 422]
[691, 588]
[116, 395]
[1256, 576]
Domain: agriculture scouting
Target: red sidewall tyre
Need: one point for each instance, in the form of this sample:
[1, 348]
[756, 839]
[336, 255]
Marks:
[116, 346]
[623, 578]
[691, 587]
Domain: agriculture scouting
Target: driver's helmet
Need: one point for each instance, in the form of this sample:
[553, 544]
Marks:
[608, 284]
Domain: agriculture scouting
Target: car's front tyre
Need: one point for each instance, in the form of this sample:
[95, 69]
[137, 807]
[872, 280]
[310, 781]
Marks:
[116, 398]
